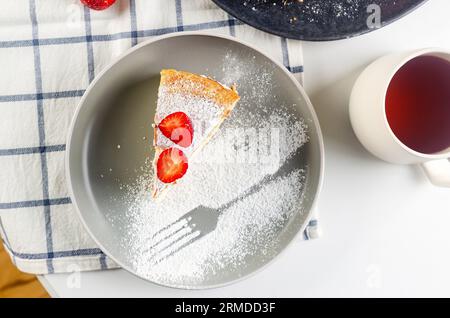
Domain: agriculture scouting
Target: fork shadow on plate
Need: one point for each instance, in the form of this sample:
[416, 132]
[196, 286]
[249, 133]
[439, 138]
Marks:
[202, 220]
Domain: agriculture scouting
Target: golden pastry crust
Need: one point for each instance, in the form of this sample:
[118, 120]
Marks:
[201, 86]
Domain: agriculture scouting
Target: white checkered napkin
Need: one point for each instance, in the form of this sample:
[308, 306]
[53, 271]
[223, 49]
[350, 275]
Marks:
[49, 52]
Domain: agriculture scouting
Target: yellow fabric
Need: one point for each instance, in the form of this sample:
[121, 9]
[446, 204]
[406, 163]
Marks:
[14, 283]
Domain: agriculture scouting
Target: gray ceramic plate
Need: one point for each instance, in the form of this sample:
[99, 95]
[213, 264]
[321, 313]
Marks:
[117, 109]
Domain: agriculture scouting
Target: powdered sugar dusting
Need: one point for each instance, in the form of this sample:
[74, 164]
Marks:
[313, 9]
[252, 144]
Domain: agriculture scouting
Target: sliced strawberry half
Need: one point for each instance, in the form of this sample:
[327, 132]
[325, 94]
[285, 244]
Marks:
[178, 128]
[98, 4]
[172, 164]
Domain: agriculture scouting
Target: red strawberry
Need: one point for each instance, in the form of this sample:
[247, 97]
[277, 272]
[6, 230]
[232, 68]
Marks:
[172, 165]
[98, 4]
[178, 128]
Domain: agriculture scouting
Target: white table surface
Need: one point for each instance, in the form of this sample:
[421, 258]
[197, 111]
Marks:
[386, 229]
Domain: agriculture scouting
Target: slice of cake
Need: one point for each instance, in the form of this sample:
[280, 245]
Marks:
[189, 112]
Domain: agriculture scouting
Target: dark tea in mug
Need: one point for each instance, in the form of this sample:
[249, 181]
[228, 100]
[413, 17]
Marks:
[418, 104]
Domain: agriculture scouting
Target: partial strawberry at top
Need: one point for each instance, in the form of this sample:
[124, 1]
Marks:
[172, 165]
[178, 128]
[98, 4]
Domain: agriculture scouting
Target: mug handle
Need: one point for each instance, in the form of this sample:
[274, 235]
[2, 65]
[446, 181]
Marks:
[438, 171]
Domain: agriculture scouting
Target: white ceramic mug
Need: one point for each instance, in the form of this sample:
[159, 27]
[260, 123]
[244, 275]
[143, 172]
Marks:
[370, 123]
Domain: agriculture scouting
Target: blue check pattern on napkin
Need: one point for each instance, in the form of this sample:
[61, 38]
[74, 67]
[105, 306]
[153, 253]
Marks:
[49, 53]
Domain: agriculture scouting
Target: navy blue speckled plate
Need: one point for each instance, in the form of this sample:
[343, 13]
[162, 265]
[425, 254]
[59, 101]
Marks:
[316, 20]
